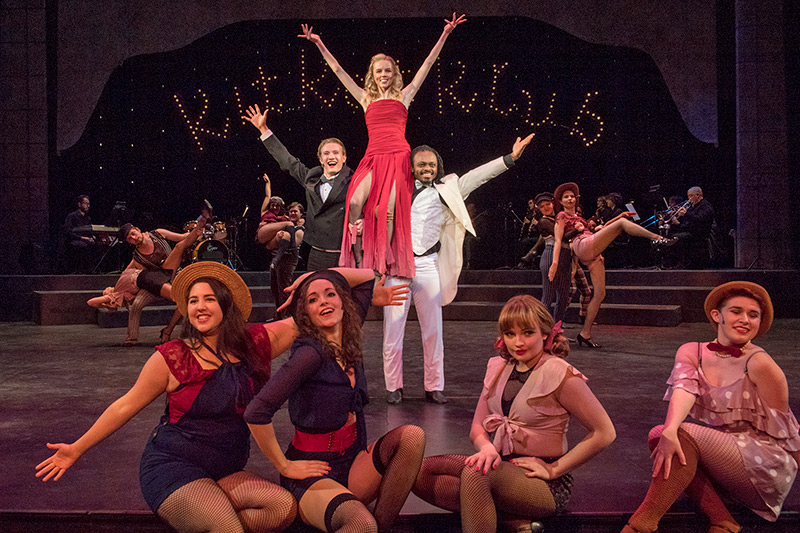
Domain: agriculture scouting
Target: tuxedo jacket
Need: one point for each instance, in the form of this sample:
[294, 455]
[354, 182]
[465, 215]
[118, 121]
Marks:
[453, 191]
[324, 220]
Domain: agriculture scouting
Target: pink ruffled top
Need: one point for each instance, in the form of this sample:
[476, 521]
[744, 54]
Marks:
[535, 415]
[735, 407]
[764, 435]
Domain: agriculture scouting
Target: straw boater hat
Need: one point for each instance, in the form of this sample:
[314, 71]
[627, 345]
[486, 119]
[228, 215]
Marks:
[564, 187]
[715, 296]
[221, 273]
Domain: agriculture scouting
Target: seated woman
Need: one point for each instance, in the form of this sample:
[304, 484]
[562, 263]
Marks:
[328, 467]
[746, 443]
[191, 470]
[588, 247]
[523, 464]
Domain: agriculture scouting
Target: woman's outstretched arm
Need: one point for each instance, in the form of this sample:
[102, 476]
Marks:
[152, 382]
[348, 82]
[410, 90]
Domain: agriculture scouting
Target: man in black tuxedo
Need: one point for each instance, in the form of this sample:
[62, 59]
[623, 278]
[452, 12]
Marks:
[326, 190]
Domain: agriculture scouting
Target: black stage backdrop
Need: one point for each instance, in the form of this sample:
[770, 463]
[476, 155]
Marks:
[167, 130]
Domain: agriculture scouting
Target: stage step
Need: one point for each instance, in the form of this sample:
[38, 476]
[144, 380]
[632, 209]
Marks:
[52, 300]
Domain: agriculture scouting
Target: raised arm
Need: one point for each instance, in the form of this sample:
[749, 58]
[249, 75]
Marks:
[348, 82]
[410, 90]
[381, 294]
[152, 381]
[267, 194]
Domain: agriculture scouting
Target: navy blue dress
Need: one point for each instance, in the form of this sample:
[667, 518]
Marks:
[320, 399]
[202, 433]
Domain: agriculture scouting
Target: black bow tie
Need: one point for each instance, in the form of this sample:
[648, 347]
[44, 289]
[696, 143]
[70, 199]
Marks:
[325, 179]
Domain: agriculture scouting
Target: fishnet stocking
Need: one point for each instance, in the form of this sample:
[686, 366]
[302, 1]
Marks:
[663, 492]
[719, 460]
[352, 516]
[401, 450]
[260, 505]
[439, 481]
[505, 488]
[701, 490]
[200, 506]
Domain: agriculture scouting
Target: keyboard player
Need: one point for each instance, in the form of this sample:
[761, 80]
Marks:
[81, 247]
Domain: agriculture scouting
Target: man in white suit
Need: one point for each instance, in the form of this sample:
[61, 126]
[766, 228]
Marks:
[439, 221]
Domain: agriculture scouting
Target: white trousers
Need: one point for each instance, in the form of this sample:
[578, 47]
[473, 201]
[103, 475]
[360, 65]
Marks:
[427, 295]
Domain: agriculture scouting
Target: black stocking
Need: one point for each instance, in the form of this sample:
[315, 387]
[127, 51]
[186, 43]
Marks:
[397, 456]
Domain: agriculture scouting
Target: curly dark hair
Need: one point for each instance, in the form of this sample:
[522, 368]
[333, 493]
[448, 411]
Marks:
[233, 338]
[350, 351]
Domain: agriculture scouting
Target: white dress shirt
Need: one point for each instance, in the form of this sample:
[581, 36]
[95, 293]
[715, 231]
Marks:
[427, 218]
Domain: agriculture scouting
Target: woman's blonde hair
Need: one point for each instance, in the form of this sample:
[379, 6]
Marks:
[371, 88]
[525, 311]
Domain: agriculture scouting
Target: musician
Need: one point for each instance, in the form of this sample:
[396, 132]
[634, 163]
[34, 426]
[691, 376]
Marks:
[81, 246]
[692, 227]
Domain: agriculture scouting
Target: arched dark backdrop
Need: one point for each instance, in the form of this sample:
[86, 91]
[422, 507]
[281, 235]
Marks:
[167, 131]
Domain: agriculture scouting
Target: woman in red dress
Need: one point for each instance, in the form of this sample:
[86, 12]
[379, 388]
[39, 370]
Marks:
[382, 183]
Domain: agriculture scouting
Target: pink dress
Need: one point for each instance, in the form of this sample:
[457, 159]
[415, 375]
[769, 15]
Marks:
[388, 157]
[764, 435]
[125, 289]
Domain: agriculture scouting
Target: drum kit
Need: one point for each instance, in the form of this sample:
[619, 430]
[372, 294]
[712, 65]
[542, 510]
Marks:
[214, 244]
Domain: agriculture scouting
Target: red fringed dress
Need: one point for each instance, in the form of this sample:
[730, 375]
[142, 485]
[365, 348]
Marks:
[387, 156]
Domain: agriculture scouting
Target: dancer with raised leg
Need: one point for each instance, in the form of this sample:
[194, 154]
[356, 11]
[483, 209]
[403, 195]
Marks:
[746, 443]
[588, 247]
[381, 185]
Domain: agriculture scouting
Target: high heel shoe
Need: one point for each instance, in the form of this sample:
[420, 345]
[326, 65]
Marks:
[665, 242]
[588, 342]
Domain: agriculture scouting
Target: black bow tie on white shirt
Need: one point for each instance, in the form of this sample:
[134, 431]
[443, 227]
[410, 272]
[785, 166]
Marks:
[418, 188]
[325, 179]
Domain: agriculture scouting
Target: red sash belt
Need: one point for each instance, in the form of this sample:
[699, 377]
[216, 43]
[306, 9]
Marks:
[335, 441]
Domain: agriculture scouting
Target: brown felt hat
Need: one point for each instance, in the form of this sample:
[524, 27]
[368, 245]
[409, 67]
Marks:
[718, 293]
[222, 273]
[564, 187]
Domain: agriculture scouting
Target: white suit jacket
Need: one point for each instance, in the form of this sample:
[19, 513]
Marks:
[454, 191]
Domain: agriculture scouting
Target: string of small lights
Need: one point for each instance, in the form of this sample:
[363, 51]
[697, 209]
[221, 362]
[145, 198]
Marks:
[447, 96]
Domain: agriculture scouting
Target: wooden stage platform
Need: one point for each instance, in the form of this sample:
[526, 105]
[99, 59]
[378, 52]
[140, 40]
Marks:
[57, 379]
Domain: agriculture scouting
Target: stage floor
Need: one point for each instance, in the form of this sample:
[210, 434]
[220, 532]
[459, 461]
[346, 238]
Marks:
[56, 380]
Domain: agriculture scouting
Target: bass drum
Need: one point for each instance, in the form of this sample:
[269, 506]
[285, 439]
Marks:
[210, 250]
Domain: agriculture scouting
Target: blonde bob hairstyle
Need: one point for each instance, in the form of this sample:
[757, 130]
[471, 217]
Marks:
[371, 88]
[526, 312]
